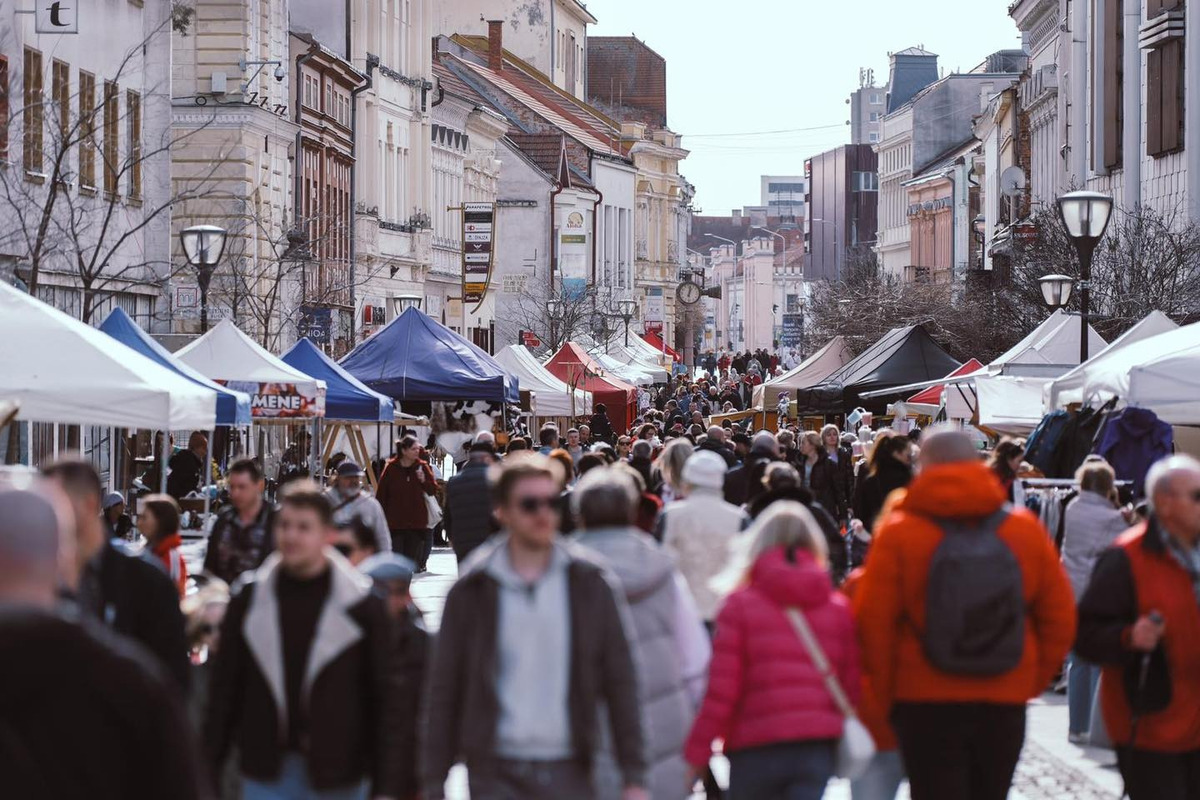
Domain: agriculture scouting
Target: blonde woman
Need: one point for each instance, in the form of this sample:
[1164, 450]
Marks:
[765, 698]
[670, 468]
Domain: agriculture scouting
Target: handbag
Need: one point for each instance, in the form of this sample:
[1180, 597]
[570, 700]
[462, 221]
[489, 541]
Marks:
[856, 748]
[434, 511]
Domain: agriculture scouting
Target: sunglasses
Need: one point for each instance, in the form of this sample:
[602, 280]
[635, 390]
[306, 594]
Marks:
[532, 505]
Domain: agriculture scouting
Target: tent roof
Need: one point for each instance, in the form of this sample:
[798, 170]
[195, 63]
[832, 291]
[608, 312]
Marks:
[933, 395]
[830, 357]
[346, 399]
[571, 359]
[1068, 388]
[416, 359]
[59, 369]
[655, 340]
[631, 373]
[233, 408]
[227, 354]
[901, 355]
[553, 398]
[1010, 404]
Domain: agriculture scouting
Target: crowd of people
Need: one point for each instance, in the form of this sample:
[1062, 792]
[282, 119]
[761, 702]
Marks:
[628, 605]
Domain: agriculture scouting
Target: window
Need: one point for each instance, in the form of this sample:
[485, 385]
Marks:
[1164, 87]
[876, 99]
[865, 182]
[111, 137]
[874, 116]
[4, 108]
[34, 133]
[873, 137]
[60, 88]
[792, 304]
[777, 188]
[87, 130]
[1108, 108]
[133, 108]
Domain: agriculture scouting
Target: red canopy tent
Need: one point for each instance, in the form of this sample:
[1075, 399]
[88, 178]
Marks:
[653, 339]
[574, 367]
[933, 395]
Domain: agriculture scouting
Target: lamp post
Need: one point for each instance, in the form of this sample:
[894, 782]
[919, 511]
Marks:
[1085, 216]
[554, 310]
[779, 236]
[627, 307]
[203, 246]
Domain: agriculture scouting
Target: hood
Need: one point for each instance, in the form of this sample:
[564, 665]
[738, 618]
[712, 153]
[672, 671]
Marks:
[1138, 422]
[495, 563]
[168, 544]
[628, 553]
[954, 490]
[800, 584]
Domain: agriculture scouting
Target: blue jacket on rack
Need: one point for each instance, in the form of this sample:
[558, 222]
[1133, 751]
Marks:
[1132, 440]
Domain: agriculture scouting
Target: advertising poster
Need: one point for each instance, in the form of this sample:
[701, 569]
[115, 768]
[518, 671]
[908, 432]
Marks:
[279, 400]
[478, 232]
[573, 254]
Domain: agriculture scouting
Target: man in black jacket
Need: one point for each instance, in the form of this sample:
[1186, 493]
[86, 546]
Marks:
[744, 483]
[83, 713]
[131, 595]
[302, 681]
[468, 515]
[714, 442]
[241, 538]
[533, 647]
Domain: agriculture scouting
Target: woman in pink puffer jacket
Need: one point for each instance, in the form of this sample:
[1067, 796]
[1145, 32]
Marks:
[765, 699]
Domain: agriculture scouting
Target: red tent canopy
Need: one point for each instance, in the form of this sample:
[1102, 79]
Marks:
[654, 340]
[574, 367]
[933, 395]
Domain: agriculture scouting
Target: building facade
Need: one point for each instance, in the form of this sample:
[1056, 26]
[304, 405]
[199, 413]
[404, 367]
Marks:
[93, 124]
[867, 107]
[841, 209]
[783, 196]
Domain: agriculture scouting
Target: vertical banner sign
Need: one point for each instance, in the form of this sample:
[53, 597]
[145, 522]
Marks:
[57, 16]
[478, 224]
[573, 254]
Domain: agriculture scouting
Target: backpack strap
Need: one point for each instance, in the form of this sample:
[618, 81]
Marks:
[989, 524]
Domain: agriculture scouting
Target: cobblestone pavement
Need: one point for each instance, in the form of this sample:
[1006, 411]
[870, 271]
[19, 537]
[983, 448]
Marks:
[1050, 768]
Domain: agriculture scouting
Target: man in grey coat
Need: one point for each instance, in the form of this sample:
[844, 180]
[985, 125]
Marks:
[671, 644]
[468, 516]
[351, 502]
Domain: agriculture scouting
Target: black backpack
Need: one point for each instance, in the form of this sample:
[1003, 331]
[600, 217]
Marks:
[974, 605]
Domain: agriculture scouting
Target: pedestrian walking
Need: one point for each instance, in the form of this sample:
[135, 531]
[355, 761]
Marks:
[242, 535]
[158, 521]
[766, 699]
[468, 518]
[601, 425]
[392, 575]
[116, 520]
[964, 615]
[842, 455]
[670, 469]
[302, 682]
[820, 475]
[1092, 522]
[781, 483]
[744, 483]
[405, 484]
[84, 713]
[131, 595]
[187, 473]
[889, 468]
[351, 502]
[714, 441]
[1139, 619]
[1006, 463]
[672, 646]
[533, 639]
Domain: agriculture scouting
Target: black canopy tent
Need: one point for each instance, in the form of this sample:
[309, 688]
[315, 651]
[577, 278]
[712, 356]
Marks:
[902, 356]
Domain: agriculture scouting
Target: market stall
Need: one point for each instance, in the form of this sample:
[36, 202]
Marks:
[572, 365]
[931, 401]
[1069, 388]
[348, 403]
[552, 397]
[827, 359]
[883, 370]
[416, 359]
[655, 340]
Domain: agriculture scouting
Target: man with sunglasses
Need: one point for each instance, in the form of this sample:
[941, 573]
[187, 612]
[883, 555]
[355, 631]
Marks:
[533, 644]
[1140, 619]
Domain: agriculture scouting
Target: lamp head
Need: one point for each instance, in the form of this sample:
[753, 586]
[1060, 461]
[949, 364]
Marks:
[203, 244]
[1056, 290]
[1085, 215]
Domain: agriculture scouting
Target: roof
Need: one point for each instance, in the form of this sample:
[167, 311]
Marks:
[346, 399]
[416, 359]
[1069, 388]
[914, 51]
[945, 159]
[456, 85]
[545, 150]
[830, 357]
[534, 91]
[233, 408]
[552, 397]
[629, 77]
[933, 395]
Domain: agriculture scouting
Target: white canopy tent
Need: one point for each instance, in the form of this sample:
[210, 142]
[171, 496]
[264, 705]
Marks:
[833, 355]
[277, 390]
[1069, 388]
[1161, 373]
[551, 397]
[630, 373]
[1009, 404]
[628, 355]
[639, 345]
[58, 369]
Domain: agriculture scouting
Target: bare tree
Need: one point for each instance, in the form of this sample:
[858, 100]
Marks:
[553, 314]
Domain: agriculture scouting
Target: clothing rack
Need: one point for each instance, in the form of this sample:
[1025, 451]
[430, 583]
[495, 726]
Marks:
[1059, 483]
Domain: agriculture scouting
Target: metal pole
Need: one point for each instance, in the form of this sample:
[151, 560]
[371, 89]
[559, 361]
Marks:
[1085, 277]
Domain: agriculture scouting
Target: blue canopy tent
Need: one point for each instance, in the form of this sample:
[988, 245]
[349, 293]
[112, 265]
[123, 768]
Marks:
[346, 399]
[233, 408]
[416, 359]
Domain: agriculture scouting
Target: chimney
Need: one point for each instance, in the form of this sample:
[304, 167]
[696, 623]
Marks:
[496, 44]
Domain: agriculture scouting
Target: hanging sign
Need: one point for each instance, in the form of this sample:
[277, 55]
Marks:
[478, 222]
[57, 16]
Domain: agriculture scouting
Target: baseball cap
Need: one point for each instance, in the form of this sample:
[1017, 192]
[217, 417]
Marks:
[388, 567]
[348, 469]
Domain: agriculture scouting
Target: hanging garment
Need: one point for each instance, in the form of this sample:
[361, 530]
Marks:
[1042, 444]
[1132, 441]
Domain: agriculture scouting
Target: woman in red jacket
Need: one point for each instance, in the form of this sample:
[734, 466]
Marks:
[403, 487]
[765, 699]
[158, 521]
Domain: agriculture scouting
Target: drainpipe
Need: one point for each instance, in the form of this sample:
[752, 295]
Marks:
[1131, 161]
[554, 192]
[1077, 161]
[372, 63]
[1191, 107]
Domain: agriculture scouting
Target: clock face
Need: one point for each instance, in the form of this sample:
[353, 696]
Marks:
[688, 293]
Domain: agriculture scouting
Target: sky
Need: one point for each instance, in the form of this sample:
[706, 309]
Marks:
[762, 69]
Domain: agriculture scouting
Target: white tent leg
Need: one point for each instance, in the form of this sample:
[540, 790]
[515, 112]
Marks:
[162, 462]
[54, 439]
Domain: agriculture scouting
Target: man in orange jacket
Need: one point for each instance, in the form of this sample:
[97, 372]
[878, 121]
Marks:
[1139, 618]
[960, 734]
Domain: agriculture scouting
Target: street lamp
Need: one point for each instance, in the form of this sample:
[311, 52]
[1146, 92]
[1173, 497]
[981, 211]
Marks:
[203, 246]
[726, 241]
[404, 302]
[1085, 217]
[554, 310]
[627, 307]
[1056, 290]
